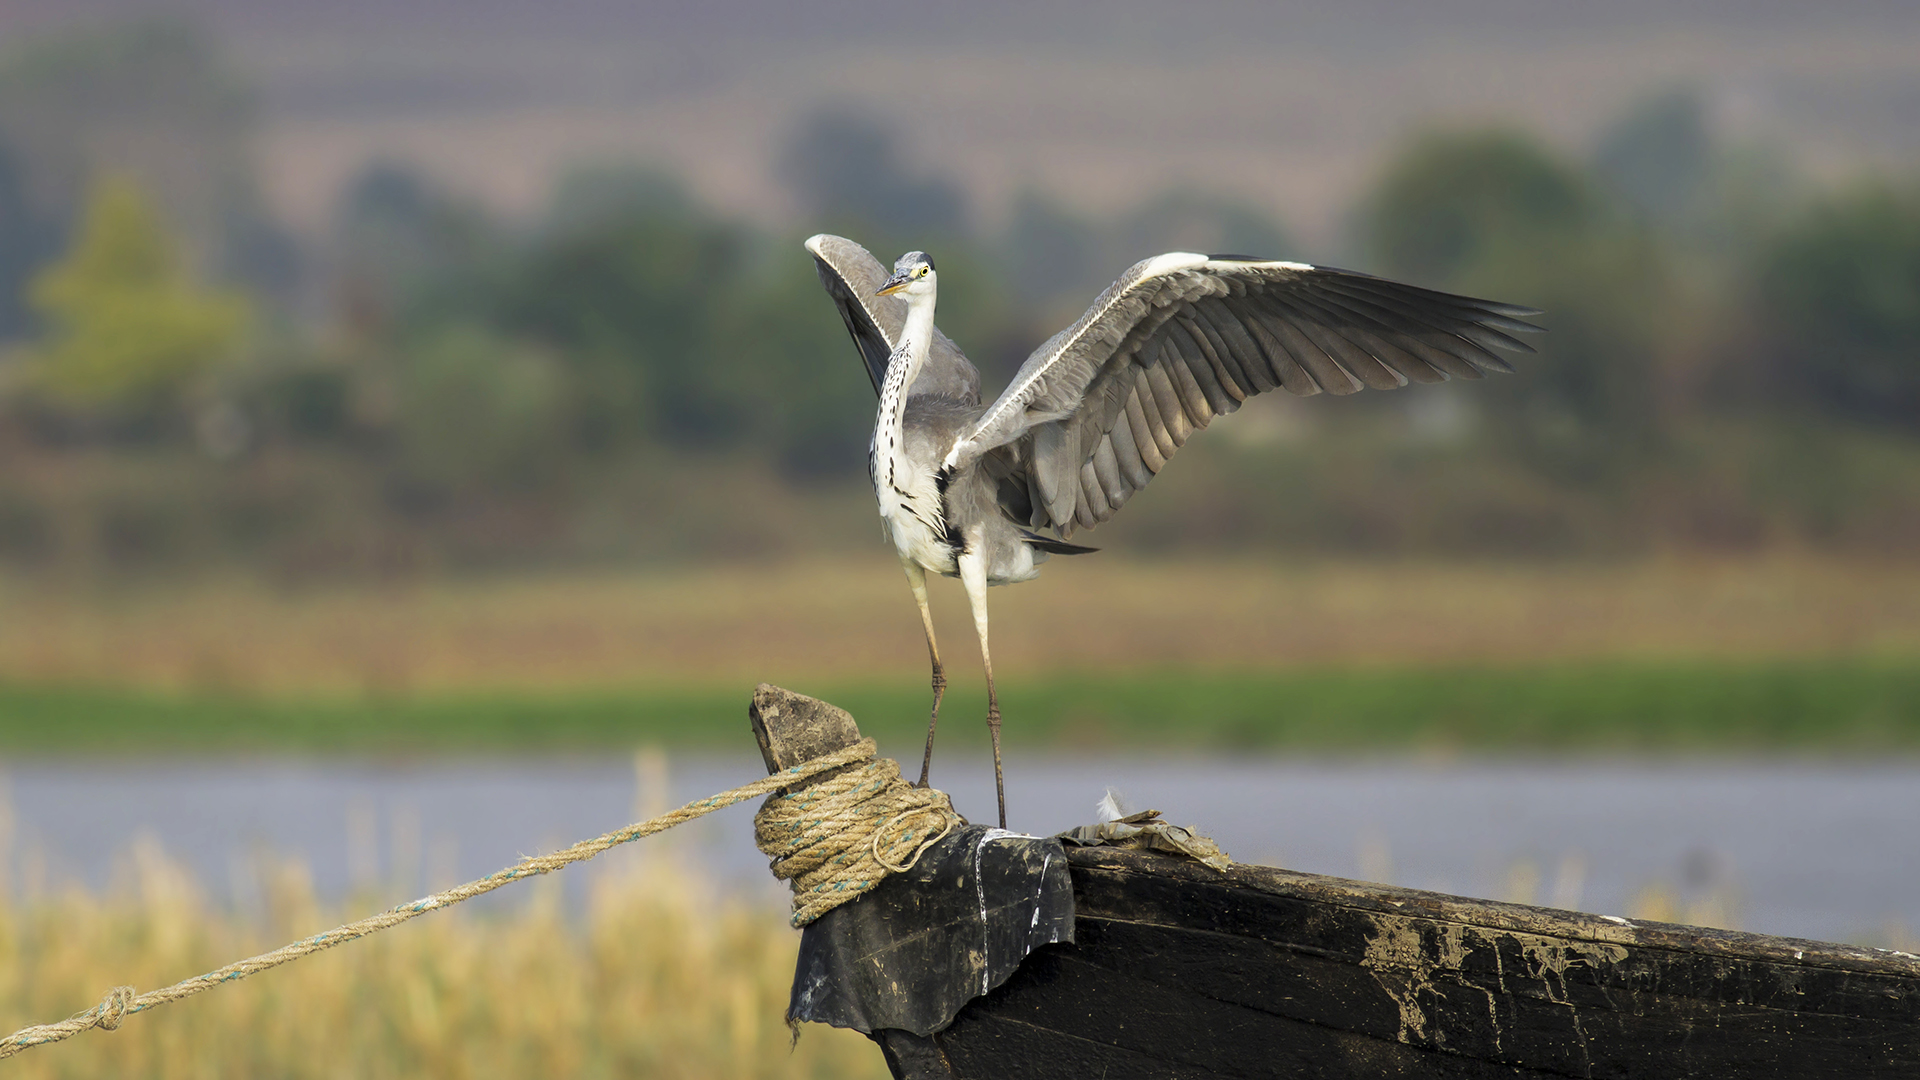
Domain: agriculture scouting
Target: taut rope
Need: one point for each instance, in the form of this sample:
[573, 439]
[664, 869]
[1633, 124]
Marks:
[857, 806]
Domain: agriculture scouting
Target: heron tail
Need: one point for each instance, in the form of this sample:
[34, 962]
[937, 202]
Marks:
[1054, 547]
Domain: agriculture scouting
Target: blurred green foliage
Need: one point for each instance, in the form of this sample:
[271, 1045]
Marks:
[153, 99]
[124, 326]
[1495, 214]
[1452, 205]
[634, 299]
[1731, 363]
[1841, 288]
[476, 409]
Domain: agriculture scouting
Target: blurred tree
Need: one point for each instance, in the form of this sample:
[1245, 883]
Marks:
[124, 326]
[785, 354]
[477, 411]
[27, 240]
[1659, 157]
[631, 300]
[303, 399]
[1718, 201]
[844, 168]
[1494, 214]
[613, 191]
[1841, 289]
[398, 241]
[1451, 203]
[156, 100]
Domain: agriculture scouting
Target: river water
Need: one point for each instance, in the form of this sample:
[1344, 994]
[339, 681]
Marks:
[1827, 851]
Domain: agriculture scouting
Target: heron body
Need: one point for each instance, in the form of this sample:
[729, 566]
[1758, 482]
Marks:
[933, 514]
[904, 457]
[966, 488]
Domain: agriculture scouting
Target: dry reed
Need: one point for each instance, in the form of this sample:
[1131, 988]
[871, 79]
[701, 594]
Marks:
[657, 976]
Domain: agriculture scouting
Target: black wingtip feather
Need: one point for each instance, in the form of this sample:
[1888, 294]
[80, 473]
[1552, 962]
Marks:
[1517, 311]
[1494, 307]
[1054, 547]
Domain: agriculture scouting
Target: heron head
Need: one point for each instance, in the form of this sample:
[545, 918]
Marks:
[912, 275]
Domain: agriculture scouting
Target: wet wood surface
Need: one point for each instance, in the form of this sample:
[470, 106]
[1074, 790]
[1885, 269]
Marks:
[1180, 971]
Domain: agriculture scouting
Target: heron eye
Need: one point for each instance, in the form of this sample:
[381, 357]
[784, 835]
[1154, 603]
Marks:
[922, 272]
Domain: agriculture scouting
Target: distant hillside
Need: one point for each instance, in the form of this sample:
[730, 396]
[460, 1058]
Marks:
[1286, 105]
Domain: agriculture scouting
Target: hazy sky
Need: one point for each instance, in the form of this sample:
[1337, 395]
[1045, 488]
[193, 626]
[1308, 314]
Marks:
[1291, 106]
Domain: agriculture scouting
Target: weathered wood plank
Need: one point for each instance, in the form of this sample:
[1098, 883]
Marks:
[1343, 892]
[793, 728]
[1164, 1027]
[1182, 971]
[1319, 914]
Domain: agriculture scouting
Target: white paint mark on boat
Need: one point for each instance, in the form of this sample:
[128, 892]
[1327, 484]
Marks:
[1038, 888]
[980, 890]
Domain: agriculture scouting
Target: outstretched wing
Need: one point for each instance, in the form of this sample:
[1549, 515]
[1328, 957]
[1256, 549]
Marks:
[851, 275]
[1095, 412]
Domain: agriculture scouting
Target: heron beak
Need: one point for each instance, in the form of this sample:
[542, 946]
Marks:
[893, 285]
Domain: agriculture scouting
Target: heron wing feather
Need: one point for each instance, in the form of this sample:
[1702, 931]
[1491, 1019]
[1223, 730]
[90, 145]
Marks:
[851, 276]
[1182, 338]
[1227, 326]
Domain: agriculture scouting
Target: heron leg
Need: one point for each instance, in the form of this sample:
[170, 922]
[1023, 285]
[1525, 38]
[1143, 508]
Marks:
[917, 581]
[973, 575]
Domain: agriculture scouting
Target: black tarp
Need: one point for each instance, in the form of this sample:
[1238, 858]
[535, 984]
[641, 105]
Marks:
[912, 952]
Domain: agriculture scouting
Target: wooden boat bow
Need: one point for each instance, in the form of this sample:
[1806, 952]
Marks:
[1175, 969]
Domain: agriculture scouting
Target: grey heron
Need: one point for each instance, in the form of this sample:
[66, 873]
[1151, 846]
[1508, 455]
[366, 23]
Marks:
[985, 491]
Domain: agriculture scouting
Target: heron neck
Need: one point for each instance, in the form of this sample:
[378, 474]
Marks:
[909, 356]
[917, 333]
[916, 338]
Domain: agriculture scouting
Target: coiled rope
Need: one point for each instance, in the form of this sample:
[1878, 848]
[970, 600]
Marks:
[837, 838]
[875, 829]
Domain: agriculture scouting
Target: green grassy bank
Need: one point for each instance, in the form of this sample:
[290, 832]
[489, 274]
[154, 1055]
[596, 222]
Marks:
[1846, 706]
